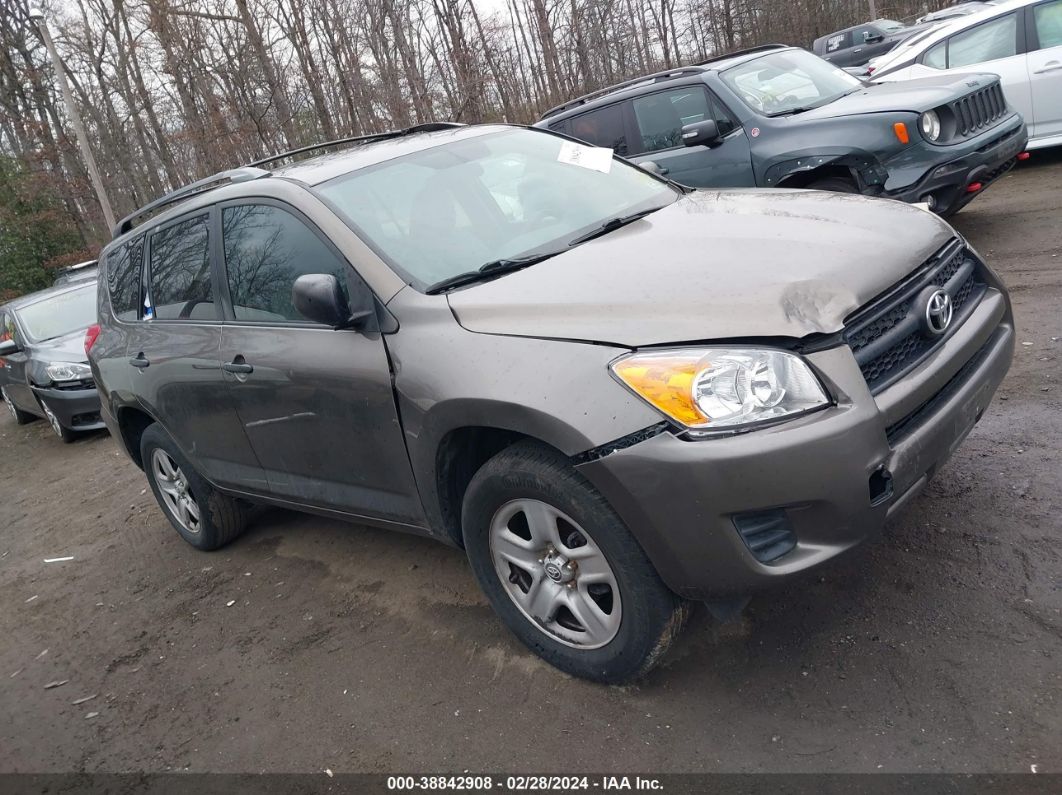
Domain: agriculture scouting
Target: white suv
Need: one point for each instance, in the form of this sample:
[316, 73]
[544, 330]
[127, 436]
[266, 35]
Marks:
[1019, 40]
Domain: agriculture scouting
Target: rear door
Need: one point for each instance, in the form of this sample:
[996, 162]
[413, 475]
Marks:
[658, 119]
[1044, 26]
[317, 404]
[174, 353]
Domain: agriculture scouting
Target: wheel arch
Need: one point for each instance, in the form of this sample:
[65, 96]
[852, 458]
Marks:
[132, 422]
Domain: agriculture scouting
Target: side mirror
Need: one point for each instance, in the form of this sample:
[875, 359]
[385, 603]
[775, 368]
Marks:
[651, 167]
[701, 133]
[872, 38]
[8, 347]
[318, 297]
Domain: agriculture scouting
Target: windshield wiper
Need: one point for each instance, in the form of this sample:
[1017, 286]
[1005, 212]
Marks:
[611, 225]
[491, 269]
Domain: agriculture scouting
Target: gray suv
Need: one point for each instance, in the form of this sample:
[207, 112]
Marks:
[780, 117]
[616, 394]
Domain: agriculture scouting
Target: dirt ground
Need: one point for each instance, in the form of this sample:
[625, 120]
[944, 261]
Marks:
[310, 644]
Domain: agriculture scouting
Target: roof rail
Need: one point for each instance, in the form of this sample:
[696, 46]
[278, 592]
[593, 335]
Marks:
[655, 77]
[252, 170]
[746, 51]
[199, 186]
[431, 126]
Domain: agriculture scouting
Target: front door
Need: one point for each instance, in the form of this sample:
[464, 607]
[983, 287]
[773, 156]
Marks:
[14, 381]
[317, 404]
[1045, 70]
[173, 355]
[659, 119]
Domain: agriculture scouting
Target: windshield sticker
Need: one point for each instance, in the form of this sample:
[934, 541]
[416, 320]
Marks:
[596, 158]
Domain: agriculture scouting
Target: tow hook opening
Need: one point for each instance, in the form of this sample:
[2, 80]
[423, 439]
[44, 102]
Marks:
[880, 484]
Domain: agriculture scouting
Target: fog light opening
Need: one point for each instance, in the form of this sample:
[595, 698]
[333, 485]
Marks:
[880, 484]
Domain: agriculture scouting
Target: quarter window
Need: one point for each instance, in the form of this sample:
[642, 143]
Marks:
[987, 42]
[124, 265]
[937, 57]
[602, 127]
[181, 284]
[266, 250]
[1048, 18]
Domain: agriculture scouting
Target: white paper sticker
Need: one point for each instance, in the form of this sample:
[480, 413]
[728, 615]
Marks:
[597, 158]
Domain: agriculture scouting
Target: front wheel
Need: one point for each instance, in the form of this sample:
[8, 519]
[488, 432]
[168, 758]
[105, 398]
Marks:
[561, 569]
[65, 434]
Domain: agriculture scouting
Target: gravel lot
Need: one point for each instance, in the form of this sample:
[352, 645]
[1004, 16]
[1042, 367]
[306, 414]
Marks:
[310, 644]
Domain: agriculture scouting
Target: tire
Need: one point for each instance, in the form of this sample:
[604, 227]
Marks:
[835, 184]
[66, 436]
[636, 617]
[213, 519]
[21, 417]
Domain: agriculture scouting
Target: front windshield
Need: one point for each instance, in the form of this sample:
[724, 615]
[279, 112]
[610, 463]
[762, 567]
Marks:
[788, 81]
[453, 208]
[60, 314]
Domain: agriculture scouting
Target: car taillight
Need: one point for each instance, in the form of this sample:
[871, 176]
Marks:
[91, 335]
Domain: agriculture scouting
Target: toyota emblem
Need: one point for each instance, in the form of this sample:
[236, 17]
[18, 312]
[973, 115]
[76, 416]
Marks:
[938, 313]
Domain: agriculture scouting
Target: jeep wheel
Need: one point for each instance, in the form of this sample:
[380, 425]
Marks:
[205, 518]
[562, 571]
[21, 417]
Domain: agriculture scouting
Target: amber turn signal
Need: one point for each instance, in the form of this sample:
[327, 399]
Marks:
[901, 132]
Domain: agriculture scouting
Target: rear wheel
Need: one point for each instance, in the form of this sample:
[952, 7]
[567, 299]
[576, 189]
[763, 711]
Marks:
[561, 569]
[21, 417]
[205, 518]
[835, 184]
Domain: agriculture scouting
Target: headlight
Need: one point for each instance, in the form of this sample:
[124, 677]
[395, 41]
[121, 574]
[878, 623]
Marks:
[930, 124]
[710, 389]
[68, 371]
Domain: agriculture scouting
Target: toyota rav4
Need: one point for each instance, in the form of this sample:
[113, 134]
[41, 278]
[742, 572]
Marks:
[616, 394]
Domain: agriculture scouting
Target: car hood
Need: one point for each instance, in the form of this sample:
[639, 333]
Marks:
[714, 265]
[916, 96]
[68, 348]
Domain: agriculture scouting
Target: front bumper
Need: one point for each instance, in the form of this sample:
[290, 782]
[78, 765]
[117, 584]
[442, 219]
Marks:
[982, 159]
[836, 475]
[77, 409]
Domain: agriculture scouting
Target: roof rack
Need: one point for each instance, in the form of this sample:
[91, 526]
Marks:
[199, 186]
[656, 77]
[432, 126]
[252, 171]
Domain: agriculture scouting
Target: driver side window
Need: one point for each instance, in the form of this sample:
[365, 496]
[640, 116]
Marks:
[180, 282]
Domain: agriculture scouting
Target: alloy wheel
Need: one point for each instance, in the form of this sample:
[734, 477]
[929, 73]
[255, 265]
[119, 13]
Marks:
[555, 574]
[10, 405]
[176, 493]
[52, 419]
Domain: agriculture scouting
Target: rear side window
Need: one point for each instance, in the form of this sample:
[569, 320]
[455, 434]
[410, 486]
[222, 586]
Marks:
[987, 42]
[181, 287]
[124, 265]
[603, 127]
[837, 42]
[266, 250]
[1048, 18]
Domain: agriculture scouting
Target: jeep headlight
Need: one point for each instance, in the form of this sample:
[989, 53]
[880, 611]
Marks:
[929, 122]
[68, 371]
[708, 389]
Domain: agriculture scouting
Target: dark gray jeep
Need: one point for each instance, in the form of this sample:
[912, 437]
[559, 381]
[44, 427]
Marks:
[617, 394]
[778, 116]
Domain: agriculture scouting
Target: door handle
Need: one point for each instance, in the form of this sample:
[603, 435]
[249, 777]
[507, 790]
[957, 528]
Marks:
[1050, 66]
[140, 361]
[237, 366]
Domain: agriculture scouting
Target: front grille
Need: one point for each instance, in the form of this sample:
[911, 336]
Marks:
[888, 337]
[906, 425]
[979, 111]
[84, 383]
